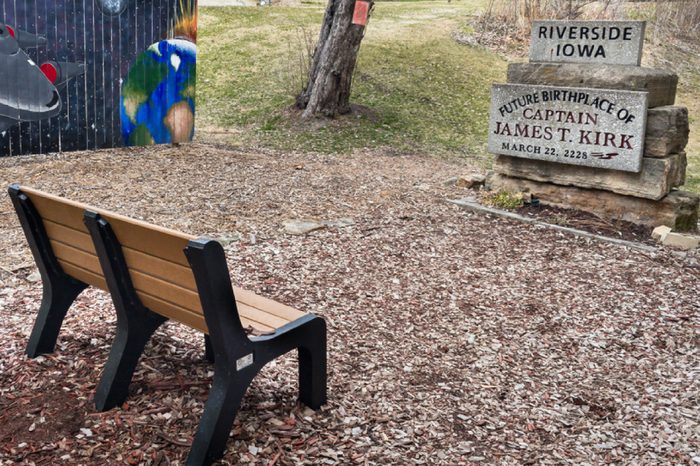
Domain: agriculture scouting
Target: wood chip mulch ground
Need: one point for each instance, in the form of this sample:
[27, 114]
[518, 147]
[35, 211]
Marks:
[454, 338]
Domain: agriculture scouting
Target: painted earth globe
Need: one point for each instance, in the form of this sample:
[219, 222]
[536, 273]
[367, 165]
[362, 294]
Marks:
[158, 95]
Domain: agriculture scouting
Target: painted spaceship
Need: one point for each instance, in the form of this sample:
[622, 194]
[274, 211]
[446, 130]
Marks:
[29, 92]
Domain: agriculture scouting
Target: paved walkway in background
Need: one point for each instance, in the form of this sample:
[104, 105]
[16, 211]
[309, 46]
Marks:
[226, 3]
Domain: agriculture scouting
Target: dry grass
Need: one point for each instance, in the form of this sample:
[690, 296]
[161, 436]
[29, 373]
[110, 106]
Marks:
[667, 20]
[425, 91]
[679, 19]
[521, 13]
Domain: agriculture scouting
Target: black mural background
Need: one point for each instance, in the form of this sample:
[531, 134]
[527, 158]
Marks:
[77, 31]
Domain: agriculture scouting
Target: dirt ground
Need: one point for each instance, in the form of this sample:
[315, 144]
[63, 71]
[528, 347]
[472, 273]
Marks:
[454, 338]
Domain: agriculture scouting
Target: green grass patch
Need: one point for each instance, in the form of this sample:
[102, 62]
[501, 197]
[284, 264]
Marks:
[417, 89]
[504, 200]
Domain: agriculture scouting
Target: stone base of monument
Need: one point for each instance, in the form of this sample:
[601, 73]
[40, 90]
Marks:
[677, 209]
[667, 131]
[657, 178]
[660, 84]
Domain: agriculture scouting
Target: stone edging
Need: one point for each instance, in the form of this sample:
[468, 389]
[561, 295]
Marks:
[471, 205]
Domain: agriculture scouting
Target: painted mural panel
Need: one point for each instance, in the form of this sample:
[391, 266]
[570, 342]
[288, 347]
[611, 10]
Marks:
[92, 74]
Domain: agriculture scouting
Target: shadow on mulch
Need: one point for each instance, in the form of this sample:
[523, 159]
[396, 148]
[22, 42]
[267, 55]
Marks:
[39, 420]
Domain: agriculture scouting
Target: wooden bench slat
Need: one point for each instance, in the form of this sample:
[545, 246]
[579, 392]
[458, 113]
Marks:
[189, 318]
[77, 257]
[265, 318]
[159, 268]
[189, 301]
[137, 260]
[153, 242]
[141, 236]
[268, 305]
[143, 283]
[169, 291]
[83, 275]
[167, 309]
[158, 305]
[169, 295]
[173, 311]
[171, 300]
[164, 308]
[76, 238]
[61, 211]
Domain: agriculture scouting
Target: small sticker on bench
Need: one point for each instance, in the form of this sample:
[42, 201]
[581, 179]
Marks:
[244, 362]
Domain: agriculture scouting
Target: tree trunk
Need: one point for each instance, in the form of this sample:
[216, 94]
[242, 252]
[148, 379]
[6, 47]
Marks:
[327, 92]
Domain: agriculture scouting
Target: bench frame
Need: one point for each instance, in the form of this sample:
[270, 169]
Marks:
[237, 357]
[60, 289]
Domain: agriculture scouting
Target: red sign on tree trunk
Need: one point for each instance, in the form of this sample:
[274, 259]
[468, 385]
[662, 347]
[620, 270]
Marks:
[361, 13]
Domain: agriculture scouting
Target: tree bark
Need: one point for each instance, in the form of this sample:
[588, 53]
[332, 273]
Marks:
[327, 92]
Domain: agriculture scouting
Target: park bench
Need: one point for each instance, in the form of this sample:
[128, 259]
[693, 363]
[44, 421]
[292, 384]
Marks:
[154, 274]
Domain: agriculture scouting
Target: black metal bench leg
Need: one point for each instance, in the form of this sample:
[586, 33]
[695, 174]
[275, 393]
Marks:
[59, 289]
[208, 349]
[238, 358]
[127, 348]
[57, 299]
[221, 408]
[135, 322]
[312, 366]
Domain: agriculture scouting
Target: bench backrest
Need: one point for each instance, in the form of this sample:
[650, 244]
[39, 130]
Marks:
[159, 270]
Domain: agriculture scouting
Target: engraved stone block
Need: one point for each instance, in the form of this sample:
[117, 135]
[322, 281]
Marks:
[578, 126]
[610, 42]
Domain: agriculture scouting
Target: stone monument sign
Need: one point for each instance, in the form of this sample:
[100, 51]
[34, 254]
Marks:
[592, 127]
[602, 42]
[583, 126]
